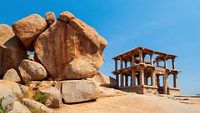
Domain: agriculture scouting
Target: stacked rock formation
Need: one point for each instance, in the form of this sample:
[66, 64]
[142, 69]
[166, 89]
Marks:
[68, 48]
[65, 51]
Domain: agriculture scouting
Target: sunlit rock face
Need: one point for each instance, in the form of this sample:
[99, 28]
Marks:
[28, 29]
[70, 49]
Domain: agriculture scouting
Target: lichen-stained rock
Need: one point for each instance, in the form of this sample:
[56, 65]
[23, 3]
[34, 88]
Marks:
[12, 75]
[12, 51]
[28, 28]
[75, 91]
[70, 50]
[50, 18]
[31, 70]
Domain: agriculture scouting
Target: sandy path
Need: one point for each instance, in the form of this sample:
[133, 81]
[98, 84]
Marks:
[132, 103]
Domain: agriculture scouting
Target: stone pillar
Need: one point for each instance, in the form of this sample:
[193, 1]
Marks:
[133, 60]
[153, 78]
[145, 80]
[151, 59]
[173, 63]
[143, 57]
[126, 80]
[125, 64]
[133, 78]
[122, 80]
[117, 80]
[121, 63]
[138, 80]
[165, 63]
[140, 56]
[158, 81]
[157, 63]
[165, 83]
[142, 77]
[175, 81]
[116, 68]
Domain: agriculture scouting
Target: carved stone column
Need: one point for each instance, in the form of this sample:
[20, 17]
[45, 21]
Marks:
[165, 63]
[151, 59]
[126, 80]
[125, 64]
[133, 60]
[138, 80]
[117, 80]
[158, 81]
[142, 77]
[173, 63]
[133, 78]
[165, 84]
[116, 68]
[121, 63]
[175, 80]
[122, 80]
[153, 78]
[141, 57]
[157, 63]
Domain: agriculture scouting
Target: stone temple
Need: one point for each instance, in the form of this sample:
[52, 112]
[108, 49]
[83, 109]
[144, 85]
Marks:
[143, 70]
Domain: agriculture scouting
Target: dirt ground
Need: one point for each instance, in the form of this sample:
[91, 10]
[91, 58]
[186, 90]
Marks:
[135, 103]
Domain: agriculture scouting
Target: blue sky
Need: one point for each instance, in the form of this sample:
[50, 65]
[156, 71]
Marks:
[171, 26]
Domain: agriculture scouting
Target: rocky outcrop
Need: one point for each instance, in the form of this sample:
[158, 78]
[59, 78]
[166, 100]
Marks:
[12, 52]
[27, 29]
[50, 18]
[103, 80]
[75, 91]
[70, 49]
[30, 70]
[12, 75]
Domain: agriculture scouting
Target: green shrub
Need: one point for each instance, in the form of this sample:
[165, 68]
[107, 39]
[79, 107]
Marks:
[1, 107]
[41, 97]
[1, 111]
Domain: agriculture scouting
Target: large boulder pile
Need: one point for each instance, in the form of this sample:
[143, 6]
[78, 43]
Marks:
[67, 48]
[63, 66]
[12, 52]
[70, 49]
